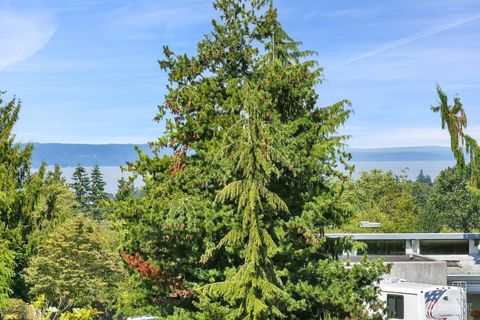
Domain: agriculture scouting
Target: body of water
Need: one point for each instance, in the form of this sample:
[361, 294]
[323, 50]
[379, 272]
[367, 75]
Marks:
[412, 168]
[111, 174]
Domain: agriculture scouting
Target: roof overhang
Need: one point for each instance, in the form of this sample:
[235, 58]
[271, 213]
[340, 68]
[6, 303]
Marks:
[405, 236]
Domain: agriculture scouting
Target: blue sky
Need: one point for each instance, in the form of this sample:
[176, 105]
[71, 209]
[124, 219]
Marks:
[87, 70]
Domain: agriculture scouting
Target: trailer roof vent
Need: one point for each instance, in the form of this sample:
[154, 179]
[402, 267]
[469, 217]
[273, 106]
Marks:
[391, 280]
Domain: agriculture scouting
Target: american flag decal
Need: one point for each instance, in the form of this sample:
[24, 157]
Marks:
[431, 299]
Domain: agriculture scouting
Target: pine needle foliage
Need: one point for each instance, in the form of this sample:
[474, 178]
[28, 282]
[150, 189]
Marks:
[255, 178]
[454, 118]
[81, 187]
[251, 146]
[31, 203]
[97, 186]
[89, 191]
[97, 195]
[6, 272]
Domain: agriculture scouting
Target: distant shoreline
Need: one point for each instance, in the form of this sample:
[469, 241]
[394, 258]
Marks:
[70, 155]
[110, 157]
[111, 174]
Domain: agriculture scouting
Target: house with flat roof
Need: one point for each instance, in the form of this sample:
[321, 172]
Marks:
[432, 258]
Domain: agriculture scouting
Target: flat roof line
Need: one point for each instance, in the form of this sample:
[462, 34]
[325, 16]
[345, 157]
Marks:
[406, 236]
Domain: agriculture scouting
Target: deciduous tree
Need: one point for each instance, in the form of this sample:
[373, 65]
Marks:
[378, 196]
[76, 264]
[451, 207]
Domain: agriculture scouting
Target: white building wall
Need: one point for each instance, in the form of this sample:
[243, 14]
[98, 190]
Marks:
[473, 249]
[412, 247]
[429, 272]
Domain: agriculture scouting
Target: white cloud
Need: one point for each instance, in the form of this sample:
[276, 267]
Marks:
[22, 34]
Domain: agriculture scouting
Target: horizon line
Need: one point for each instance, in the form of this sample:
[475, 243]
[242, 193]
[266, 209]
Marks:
[146, 143]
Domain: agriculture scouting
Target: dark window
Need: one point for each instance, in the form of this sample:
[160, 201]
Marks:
[444, 246]
[384, 247]
[395, 306]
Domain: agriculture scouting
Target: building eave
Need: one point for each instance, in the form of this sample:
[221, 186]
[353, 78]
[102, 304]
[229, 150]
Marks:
[405, 236]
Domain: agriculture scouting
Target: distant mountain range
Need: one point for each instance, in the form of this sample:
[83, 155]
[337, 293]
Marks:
[427, 153]
[403, 161]
[69, 155]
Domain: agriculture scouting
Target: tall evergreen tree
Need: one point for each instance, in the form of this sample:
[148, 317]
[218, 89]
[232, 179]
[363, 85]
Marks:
[254, 145]
[423, 178]
[97, 185]
[29, 202]
[241, 207]
[455, 119]
[97, 193]
[81, 187]
[6, 272]
[125, 189]
[15, 222]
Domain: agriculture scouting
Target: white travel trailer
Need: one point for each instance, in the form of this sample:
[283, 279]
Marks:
[417, 301]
